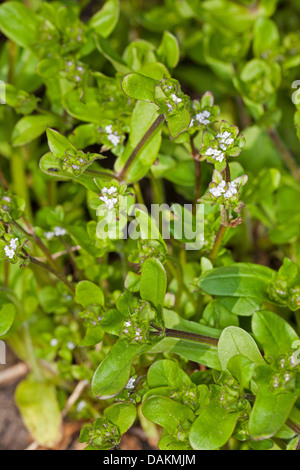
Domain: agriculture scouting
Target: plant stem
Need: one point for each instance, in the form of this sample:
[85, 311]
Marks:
[171, 333]
[19, 179]
[198, 171]
[161, 118]
[37, 239]
[286, 155]
[218, 242]
[53, 271]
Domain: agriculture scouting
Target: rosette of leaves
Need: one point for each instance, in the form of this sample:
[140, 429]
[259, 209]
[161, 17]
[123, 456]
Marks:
[203, 112]
[217, 148]
[166, 94]
[65, 160]
[106, 432]
[258, 82]
[224, 193]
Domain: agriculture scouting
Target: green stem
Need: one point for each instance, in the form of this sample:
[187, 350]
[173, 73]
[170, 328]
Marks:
[139, 194]
[218, 242]
[19, 180]
[157, 123]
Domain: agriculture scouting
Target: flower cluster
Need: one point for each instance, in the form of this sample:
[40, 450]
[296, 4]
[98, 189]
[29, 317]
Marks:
[112, 136]
[218, 147]
[109, 197]
[227, 190]
[224, 193]
[203, 112]
[57, 232]
[11, 248]
[169, 97]
[133, 330]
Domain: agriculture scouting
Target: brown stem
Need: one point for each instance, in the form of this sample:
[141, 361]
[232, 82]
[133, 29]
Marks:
[227, 174]
[191, 336]
[53, 271]
[161, 118]
[31, 233]
[187, 335]
[286, 155]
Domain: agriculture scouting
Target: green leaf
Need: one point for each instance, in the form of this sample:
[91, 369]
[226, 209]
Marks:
[139, 87]
[7, 313]
[178, 122]
[269, 413]
[167, 373]
[274, 334]
[249, 281]
[49, 164]
[19, 23]
[113, 373]
[171, 415]
[266, 37]
[122, 415]
[143, 117]
[153, 283]
[213, 428]
[105, 20]
[169, 51]
[93, 335]
[30, 128]
[58, 143]
[242, 369]
[40, 411]
[88, 293]
[110, 54]
[235, 341]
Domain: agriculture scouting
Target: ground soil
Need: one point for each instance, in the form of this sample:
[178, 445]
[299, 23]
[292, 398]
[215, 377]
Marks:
[14, 436]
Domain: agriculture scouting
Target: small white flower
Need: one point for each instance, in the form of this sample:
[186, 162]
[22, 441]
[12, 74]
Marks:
[203, 118]
[53, 342]
[6, 198]
[176, 99]
[75, 167]
[109, 129]
[128, 323]
[13, 243]
[71, 345]
[81, 405]
[49, 235]
[170, 107]
[130, 384]
[215, 154]
[9, 252]
[218, 190]
[59, 231]
[114, 139]
[231, 191]
[225, 139]
[110, 203]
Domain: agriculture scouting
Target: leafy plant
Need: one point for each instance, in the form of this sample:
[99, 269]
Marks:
[191, 333]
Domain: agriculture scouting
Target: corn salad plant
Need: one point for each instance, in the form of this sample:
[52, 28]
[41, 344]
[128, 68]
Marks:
[109, 109]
